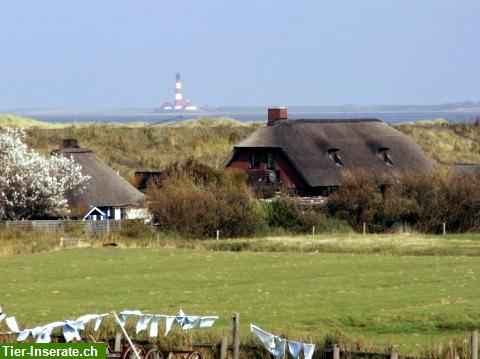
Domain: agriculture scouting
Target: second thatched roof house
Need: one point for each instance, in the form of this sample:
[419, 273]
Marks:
[107, 195]
[310, 156]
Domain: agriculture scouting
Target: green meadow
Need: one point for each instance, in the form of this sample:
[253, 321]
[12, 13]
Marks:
[408, 301]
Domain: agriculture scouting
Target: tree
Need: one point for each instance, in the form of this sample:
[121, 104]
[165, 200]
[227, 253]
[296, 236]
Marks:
[32, 185]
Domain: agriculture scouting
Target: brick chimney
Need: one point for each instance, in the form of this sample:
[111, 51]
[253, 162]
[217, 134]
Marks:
[276, 114]
[69, 143]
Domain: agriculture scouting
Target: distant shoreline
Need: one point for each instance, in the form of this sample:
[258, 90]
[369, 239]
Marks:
[243, 116]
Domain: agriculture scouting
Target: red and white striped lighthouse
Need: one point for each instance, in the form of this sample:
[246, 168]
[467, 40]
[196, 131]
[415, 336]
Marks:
[178, 93]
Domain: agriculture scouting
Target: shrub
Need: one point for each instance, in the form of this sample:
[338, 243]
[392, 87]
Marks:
[440, 198]
[423, 201]
[197, 205]
[288, 214]
[360, 199]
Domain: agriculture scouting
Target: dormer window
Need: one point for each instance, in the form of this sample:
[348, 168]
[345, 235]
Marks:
[384, 154]
[334, 154]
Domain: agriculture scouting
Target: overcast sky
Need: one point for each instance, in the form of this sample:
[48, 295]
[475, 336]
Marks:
[124, 53]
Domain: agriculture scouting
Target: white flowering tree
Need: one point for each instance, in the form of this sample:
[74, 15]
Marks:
[32, 185]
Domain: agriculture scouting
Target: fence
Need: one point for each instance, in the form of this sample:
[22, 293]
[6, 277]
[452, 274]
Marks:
[236, 350]
[85, 227]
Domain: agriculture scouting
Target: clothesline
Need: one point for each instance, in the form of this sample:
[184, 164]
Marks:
[71, 328]
[277, 346]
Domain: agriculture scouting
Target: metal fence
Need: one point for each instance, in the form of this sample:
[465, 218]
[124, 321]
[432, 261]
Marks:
[74, 226]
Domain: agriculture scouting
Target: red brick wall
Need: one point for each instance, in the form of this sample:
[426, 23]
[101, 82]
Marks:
[288, 175]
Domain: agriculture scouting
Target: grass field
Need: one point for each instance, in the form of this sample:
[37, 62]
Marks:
[384, 299]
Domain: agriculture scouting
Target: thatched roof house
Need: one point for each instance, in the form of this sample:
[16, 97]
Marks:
[311, 155]
[107, 195]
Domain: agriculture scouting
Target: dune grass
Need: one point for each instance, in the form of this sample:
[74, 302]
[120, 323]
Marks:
[389, 300]
[128, 147]
[444, 143]
[23, 122]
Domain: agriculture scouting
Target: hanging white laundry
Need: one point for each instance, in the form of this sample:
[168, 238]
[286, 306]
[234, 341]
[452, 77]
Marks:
[194, 321]
[36, 331]
[98, 321]
[12, 324]
[191, 323]
[44, 338]
[85, 319]
[23, 335]
[308, 350]
[122, 316]
[70, 331]
[142, 323]
[294, 348]
[2, 317]
[207, 322]
[154, 327]
[46, 331]
[275, 345]
[169, 320]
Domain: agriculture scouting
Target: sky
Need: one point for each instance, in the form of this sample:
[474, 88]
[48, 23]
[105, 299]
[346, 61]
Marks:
[124, 53]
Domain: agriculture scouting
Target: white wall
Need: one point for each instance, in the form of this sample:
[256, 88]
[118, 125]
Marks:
[138, 213]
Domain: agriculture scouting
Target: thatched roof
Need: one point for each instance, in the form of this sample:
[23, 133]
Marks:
[105, 186]
[308, 145]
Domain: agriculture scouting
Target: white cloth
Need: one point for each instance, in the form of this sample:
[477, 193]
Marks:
[71, 331]
[98, 321]
[207, 322]
[12, 324]
[2, 317]
[308, 350]
[23, 335]
[193, 321]
[154, 327]
[295, 349]
[142, 323]
[275, 345]
[46, 332]
[122, 316]
[72, 328]
[85, 319]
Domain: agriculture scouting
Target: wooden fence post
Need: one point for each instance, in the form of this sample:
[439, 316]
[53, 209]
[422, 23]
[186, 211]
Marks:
[223, 348]
[364, 228]
[313, 230]
[118, 341]
[393, 355]
[236, 336]
[336, 352]
[218, 234]
[444, 228]
[474, 344]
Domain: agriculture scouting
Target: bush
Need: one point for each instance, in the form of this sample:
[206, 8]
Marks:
[197, 205]
[423, 201]
[360, 199]
[442, 198]
[288, 214]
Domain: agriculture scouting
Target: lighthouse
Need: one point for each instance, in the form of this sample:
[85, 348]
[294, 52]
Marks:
[178, 93]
